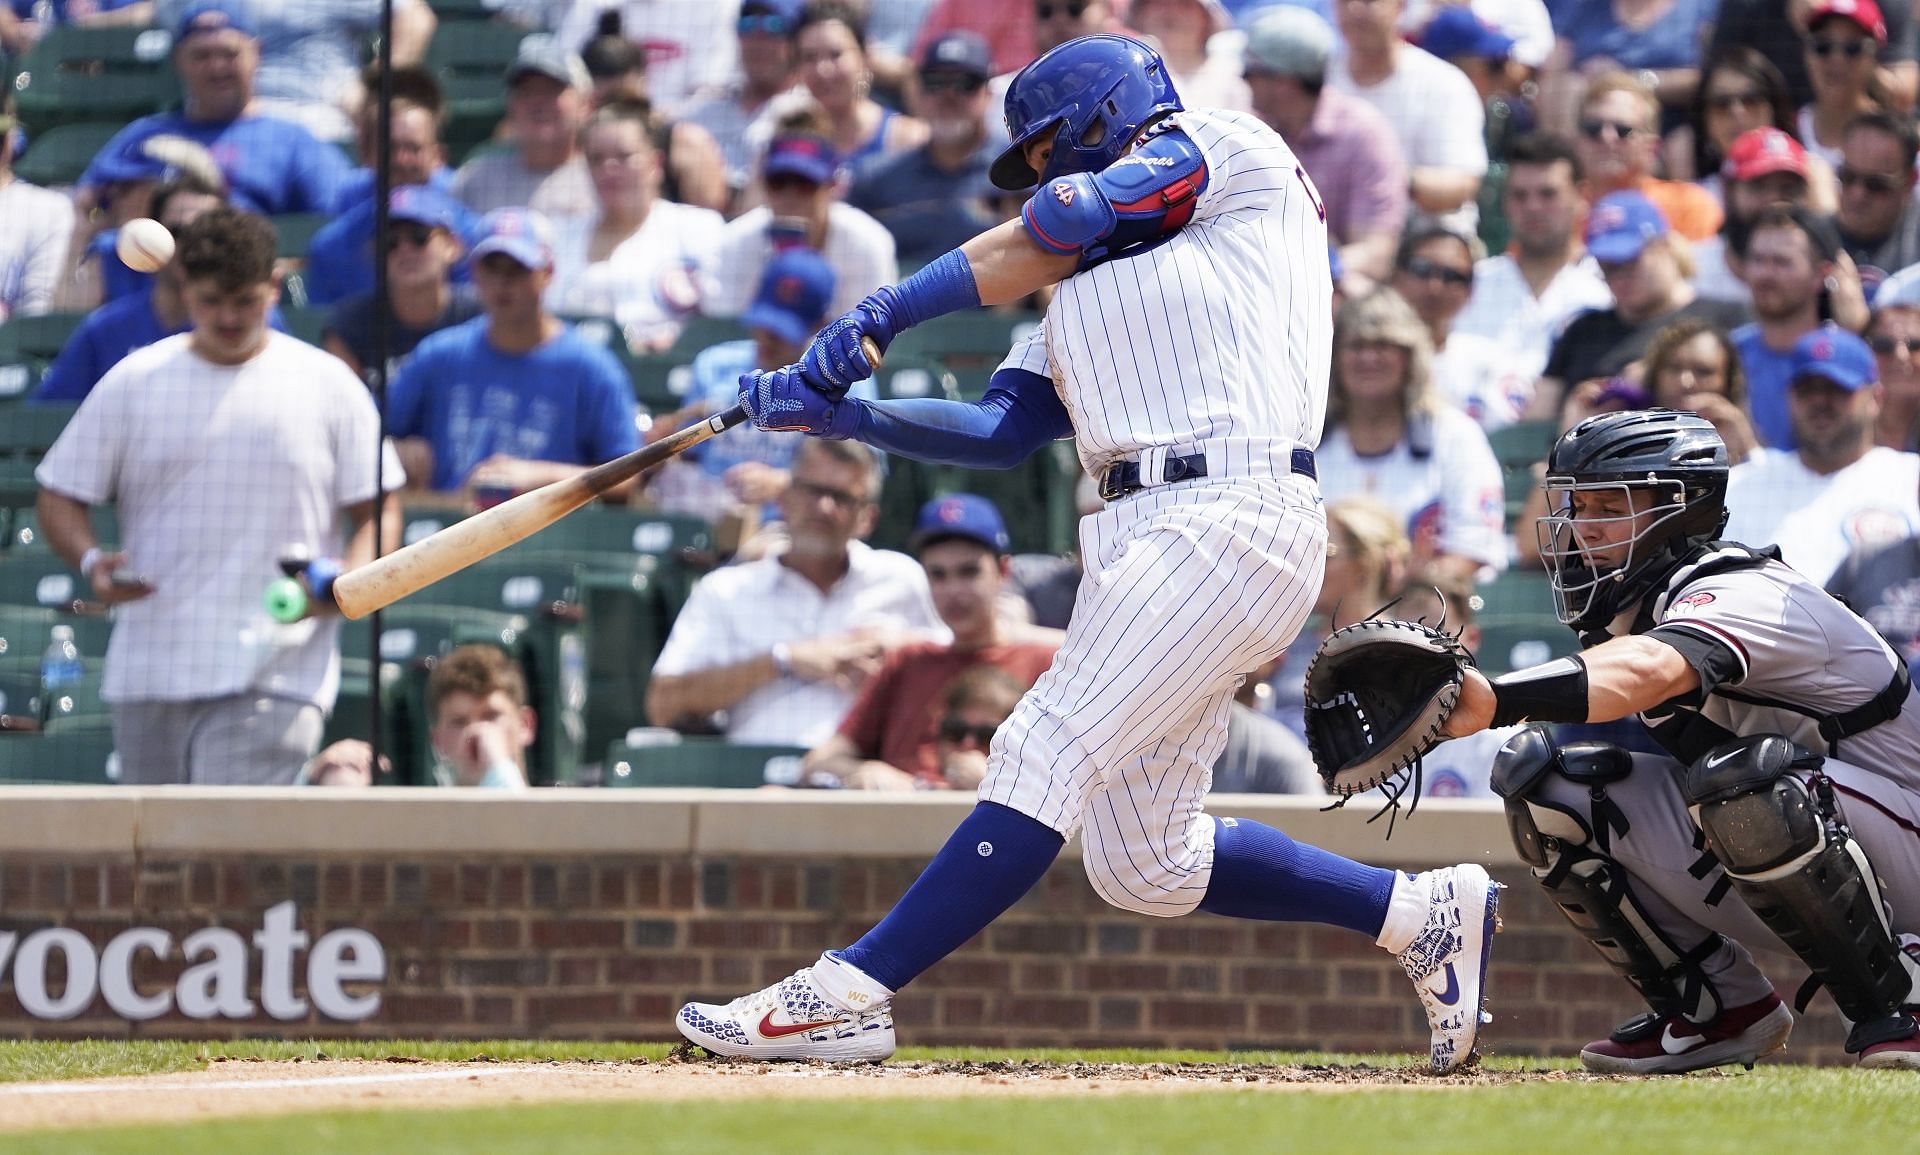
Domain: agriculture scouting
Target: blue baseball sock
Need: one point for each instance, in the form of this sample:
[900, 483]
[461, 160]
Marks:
[989, 863]
[1258, 872]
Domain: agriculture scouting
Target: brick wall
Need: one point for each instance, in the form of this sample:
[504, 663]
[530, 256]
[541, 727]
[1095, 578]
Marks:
[606, 946]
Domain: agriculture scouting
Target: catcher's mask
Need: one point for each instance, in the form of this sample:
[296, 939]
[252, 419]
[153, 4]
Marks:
[1668, 472]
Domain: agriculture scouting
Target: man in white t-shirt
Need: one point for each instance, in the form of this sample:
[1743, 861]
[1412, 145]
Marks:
[1838, 491]
[1431, 104]
[225, 448]
[1522, 300]
[799, 172]
[783, 645]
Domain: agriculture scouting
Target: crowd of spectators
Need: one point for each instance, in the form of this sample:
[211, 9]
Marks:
[1537, 210]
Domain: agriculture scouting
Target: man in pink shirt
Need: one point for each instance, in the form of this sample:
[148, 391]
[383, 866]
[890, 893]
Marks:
[1346, 146]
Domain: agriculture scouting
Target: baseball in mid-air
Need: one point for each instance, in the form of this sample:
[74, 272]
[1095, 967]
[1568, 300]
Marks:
[144, 245]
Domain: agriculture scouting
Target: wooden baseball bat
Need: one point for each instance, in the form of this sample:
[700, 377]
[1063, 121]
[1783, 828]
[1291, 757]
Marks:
[386, 580]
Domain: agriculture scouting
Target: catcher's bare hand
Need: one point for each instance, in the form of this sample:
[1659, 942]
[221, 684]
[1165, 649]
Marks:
[1474, 711]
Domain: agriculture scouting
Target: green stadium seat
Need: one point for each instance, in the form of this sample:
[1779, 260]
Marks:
[474, 48]
[703, 763]
[1524, 443]
[37, 578]
[58, 156]
[23, 529]
[82, 757]
[1517, 623]
[19, 698]
[31, 431]
[448, 10]
[295, 233]
[307, 322]
[1516, 593]
[38, 338]
[25, 632]
[76, 74]
[77, 707]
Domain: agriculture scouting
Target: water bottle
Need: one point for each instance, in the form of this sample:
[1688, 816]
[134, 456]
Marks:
[61, 667]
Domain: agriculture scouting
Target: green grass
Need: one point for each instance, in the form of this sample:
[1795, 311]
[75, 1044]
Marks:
[1770, 1109]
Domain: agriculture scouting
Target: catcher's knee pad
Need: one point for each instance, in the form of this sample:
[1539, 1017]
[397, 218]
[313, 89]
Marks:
[1769, 816]
[1567, 848]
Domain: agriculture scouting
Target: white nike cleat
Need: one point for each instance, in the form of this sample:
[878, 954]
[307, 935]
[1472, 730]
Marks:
[791, 1019]
[1447, 960]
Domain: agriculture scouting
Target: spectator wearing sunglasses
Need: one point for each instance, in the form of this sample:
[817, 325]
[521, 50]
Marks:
[800, 175]
[764, 88]
[1776, 30]
[1619, 144]
[1879, 227]
[891, 739]
[1434, 272]
[424, 243]
[1842, 44]
[935, 197]
[1894, 336]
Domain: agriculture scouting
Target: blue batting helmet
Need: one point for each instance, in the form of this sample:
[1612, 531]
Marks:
[1094, 93]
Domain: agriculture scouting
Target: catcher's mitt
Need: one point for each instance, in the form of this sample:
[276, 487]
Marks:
[1377, 694]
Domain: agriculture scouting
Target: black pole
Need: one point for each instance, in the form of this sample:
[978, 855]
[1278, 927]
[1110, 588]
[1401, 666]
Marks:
[382, 337]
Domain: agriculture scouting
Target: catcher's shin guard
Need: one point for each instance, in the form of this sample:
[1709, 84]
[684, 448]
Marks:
[1800, 870]
[1568, 853]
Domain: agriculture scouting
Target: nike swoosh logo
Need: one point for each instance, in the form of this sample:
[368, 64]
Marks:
[1451, 995]
[769, 1031]
[1673, 1046]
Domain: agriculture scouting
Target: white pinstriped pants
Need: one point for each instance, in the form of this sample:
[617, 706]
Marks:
[1187, 588]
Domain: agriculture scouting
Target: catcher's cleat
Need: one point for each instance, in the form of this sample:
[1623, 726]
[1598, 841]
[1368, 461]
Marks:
[1899, 1045]
[1447, 960]
[1670, 1044]
[791, 1019]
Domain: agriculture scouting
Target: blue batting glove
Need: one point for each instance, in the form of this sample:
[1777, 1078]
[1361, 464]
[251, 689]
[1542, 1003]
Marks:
[782, 401]
[834, 360]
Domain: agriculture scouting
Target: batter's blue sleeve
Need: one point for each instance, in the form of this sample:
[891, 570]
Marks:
[1144, 196]
[1020, 413]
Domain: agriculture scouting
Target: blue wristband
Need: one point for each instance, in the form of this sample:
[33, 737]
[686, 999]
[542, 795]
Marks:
[320, 574]
[944, 285]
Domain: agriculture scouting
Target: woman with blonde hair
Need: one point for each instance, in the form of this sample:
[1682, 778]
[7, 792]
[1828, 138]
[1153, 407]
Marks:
[1392, 437]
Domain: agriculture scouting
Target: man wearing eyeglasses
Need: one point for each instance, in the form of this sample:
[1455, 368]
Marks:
[781, 646]
[935, 197]
[1879, 227]
[889, 739]
[1894, 334]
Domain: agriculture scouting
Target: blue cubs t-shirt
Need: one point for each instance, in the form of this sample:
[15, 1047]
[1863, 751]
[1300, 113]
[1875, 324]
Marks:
[272, 166]
[568, 401]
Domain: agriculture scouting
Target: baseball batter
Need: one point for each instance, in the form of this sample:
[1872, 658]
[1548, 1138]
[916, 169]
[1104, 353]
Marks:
[1788, 817]
[1187, 350]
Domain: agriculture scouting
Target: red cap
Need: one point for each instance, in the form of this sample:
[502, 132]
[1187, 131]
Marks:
[1759, 151]
[1865, 13]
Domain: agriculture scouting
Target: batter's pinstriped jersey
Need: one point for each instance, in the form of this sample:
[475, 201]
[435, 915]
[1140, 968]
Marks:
[1221, 333]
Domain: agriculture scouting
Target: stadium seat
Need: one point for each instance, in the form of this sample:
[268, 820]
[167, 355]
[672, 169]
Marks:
[81, 757]
[75, 74]
[701, 762]
[19, 698]
[448, 10]
[294, 233]
[307, 322]
[35, 578]
[58, 156]
[1517, 623]
[474, 48]
[38, 338]
[23, 529]
[25, 632]
[1524, 443]
[77, 707]
[31, 431]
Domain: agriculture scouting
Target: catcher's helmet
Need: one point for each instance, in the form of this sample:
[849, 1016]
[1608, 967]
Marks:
[1677, 459]
[1094, 93]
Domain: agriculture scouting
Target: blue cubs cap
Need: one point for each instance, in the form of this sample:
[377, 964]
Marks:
[1833, 354]
[964, 515]
[424, 206]
[959, 52]
[520, 233]
[787, 12]
[1620, 226]
[1455, 31]
[810, 158]
[212, 16]
[795, 292]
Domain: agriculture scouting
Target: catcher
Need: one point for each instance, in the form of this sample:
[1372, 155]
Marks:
[1787, 818]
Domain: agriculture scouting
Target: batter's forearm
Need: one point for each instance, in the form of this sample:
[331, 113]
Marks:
[1008, 265]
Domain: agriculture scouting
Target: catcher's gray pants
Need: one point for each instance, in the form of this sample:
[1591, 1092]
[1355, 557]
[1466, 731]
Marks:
[1661, 844]
[241, 740]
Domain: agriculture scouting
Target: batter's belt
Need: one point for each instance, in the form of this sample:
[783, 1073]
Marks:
[1159, 468]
